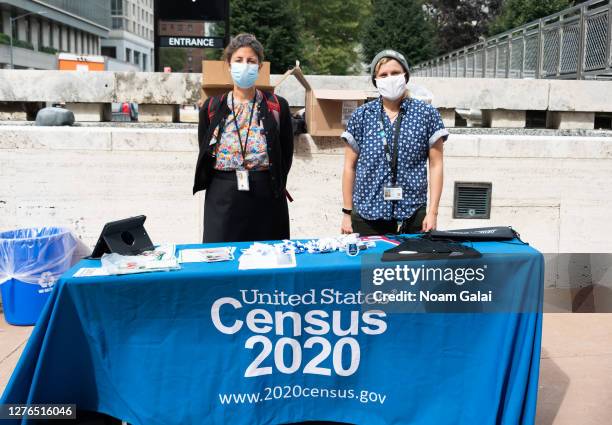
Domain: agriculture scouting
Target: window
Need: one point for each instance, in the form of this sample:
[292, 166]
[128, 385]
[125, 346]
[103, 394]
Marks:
[189, 27]
[116, 7]
[144, 62]
[109, 51]
[40, 33]
[128, 55]
[28, 28]
[137, 58]
[51, 35]
[180, 27]
[15, 32]
[118, 24]
[61, 38]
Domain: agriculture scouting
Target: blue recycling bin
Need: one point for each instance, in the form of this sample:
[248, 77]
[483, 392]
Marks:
[31, 260]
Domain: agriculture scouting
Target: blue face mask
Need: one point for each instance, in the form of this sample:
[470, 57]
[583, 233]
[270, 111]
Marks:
[244, 74]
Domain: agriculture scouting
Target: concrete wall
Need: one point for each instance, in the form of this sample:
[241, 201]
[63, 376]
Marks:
[448, 93]
[554, 190]
[99, 87]
[26, 57]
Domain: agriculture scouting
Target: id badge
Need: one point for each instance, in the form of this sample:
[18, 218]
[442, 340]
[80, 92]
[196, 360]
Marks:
[242, 176]
[392, 193]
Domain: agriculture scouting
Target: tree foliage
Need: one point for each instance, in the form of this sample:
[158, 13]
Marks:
[175, 58]
[275, 25]
[331, 31]
[402, 26]
[515, 13]
[461, 22]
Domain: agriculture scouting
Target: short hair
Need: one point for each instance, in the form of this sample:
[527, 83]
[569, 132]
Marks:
[383, 61]
[244, 40]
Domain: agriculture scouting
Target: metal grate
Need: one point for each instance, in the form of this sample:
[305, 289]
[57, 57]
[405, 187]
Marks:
[478, 63]
[472, 200]
[470, 65]
[596, 41]
[551, 51]
[569, 48]
[490, 72]
[516, 58]
[502, 60]
[531, 56]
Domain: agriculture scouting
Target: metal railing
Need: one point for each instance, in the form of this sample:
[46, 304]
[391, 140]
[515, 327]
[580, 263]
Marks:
[571, 44]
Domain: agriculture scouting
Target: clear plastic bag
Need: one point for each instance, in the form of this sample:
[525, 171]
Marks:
[38, 255]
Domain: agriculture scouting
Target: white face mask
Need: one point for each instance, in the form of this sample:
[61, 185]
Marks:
[392, 87]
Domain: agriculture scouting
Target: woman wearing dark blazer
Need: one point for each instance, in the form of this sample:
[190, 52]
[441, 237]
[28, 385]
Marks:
[246, 149]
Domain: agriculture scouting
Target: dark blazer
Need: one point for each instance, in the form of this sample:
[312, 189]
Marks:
[279, 141]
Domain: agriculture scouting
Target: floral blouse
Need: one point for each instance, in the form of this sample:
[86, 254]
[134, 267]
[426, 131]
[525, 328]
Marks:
[228, 150]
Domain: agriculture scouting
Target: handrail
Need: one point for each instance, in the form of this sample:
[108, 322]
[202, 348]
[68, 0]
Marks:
[571, 44]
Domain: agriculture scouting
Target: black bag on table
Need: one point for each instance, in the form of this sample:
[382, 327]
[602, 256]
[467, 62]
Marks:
[499, 233]
[425, 249]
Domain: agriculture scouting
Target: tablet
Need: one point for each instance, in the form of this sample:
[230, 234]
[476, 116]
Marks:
[127, 237]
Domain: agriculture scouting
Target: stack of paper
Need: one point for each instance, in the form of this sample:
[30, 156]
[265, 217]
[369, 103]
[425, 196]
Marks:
[161, 258]
[207, 255]
[263, 256]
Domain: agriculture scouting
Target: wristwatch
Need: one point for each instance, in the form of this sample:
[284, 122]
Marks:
[347, 212]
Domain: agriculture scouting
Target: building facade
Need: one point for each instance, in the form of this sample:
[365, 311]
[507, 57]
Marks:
[131, 37]
[50, 27]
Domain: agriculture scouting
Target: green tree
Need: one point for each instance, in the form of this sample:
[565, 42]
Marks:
[461, 22]
[402, 26]
[515, 13]
[275, 25]
[330, 32]
[175, 58]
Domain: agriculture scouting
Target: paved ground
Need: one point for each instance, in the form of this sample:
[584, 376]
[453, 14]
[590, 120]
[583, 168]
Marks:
[575, 378]
[452, 130]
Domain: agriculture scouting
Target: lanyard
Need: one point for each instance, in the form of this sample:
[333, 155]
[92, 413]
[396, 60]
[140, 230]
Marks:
[391, 158]
[243, 147]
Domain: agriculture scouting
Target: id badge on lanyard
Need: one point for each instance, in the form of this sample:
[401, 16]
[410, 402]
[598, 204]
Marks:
[242, 177]
[392, 191]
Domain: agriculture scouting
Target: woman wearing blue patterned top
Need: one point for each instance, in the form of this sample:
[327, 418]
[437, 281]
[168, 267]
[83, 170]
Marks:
[390, 142]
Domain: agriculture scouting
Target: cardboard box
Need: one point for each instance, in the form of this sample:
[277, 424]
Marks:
[327, 111]
[216, 78]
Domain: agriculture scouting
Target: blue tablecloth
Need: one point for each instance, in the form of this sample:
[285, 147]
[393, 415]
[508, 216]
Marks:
[144, 348]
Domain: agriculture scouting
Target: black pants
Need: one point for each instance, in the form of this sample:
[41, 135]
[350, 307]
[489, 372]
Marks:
[412, 224]
[231, 215]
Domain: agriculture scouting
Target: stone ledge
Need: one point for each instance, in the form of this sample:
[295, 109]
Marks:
[184, 139]
[184, 88]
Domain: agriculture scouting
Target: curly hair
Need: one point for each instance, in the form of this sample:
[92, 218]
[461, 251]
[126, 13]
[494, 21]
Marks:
[243, 40]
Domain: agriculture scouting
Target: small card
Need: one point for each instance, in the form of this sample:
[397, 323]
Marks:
[90, 271]
[206, 255]
[392, 193]
[242, 176]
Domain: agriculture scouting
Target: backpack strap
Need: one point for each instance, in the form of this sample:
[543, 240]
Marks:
[213, 108]
[273, 106]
